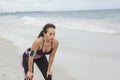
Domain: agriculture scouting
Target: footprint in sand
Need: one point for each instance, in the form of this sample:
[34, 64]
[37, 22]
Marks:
[3, 75]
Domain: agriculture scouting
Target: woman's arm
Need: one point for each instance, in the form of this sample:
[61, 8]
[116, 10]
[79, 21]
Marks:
[52, 55]
[34, 48]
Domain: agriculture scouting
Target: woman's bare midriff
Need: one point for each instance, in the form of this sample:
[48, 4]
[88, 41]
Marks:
[37, 56]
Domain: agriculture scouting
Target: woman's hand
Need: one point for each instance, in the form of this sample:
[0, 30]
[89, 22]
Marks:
[49, 72]
[29, 75]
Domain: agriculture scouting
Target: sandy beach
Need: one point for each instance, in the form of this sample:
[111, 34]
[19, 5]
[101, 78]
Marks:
[88, 44]
[10, 68]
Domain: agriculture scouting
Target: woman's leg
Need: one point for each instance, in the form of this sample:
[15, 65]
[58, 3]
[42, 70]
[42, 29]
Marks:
[25, 64]
[42, 64]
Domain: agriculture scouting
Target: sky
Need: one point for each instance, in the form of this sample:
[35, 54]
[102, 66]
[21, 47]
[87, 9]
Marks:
[56, 5]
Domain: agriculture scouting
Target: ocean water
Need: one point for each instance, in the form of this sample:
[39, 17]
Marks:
[89, 39]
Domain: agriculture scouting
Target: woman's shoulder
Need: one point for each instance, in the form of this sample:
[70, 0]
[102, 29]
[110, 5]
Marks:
[55, 42]
[38, 40]
[36, 43]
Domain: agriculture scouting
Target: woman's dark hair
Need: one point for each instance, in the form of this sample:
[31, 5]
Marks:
[44, 30]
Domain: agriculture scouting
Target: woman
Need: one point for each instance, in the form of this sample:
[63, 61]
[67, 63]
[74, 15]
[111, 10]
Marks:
[45, 44]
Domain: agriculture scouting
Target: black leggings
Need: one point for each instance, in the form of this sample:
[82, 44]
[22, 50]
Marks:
[41, 62]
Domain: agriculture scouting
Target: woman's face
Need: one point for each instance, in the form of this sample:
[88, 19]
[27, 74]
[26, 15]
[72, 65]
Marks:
[50, 34]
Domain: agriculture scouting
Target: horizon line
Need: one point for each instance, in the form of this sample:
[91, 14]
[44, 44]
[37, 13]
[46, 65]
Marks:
[30, 11]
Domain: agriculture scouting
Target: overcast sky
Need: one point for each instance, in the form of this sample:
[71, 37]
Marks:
[56, 5]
